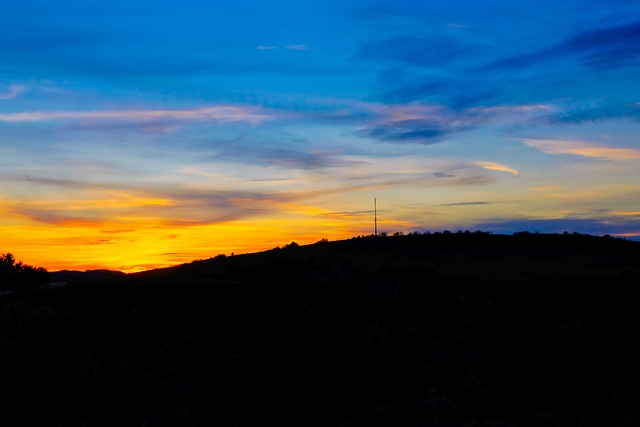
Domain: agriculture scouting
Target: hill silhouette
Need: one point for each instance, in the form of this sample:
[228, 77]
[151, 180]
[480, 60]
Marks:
[478, 255]
[445, 329]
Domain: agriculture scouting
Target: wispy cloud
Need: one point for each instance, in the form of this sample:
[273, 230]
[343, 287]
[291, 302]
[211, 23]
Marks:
[151, 207]
[460, 74]
[412, 123]
[65, 183]
[215, 113]
[584, 149]
[466, 204]
[346, 214]
[626, 213]
[496, 167]
[602, 47]
[512, 109]
[605, 46]
[276, 153]
[443, 175]
[429, 123]
[12, 91]
[596, 113]
[297, 47]
[288, 47]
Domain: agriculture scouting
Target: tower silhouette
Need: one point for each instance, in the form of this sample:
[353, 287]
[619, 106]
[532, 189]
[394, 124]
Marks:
[375, 217]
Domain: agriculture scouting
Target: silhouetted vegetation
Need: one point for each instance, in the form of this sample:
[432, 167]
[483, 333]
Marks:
[442, 329]
[94, 276]
[16, 275]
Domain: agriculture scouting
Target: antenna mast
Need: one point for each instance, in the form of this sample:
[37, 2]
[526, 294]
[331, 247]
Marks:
[375, 217]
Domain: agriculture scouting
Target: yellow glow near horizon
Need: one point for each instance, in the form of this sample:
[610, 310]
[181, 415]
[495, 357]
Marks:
[140, 227]
[138, 243]
[130, 234]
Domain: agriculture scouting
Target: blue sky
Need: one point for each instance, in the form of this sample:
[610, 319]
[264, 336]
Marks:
[138, 134]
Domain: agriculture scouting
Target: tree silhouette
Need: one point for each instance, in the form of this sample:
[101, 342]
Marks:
[18, 275]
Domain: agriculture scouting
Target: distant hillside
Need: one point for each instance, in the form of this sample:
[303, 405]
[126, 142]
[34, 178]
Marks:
[421, 330]
[484, 256]
[72, 276]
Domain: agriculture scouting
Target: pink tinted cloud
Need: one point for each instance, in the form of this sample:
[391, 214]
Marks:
[584, 149]
[215, 113]
[496, 167]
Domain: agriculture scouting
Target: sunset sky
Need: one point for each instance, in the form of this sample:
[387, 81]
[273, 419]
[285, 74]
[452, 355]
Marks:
[139, 134]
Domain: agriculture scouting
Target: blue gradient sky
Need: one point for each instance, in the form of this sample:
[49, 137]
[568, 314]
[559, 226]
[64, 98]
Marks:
[136, 134]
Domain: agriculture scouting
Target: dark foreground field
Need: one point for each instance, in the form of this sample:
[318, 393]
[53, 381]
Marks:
[394, 331]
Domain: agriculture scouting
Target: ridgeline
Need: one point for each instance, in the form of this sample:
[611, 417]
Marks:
[476, 256]
[446, 329]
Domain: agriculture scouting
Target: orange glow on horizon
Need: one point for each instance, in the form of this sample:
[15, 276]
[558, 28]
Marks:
[131, 251]
[141, 230]
[138, 243]
[136, 229]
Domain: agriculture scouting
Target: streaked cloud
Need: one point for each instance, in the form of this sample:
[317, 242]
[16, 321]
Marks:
[626, 213]
[215, 114]
[430, 123]
[466, 203]
[581, 62]
[496, 167]
[584, 149]
[281, 155]
[182, 206]
[12, 91]
[297, 47]
[512, 109]
[287, 47]
[600, 47]
[443, 175]
[422, 123]
[596, 113]
[346, 215]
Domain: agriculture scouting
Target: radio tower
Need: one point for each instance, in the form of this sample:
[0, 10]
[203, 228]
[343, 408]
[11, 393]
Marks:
[375, 217]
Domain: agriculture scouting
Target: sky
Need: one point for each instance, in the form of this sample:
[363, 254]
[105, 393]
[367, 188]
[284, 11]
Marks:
[139, 134]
